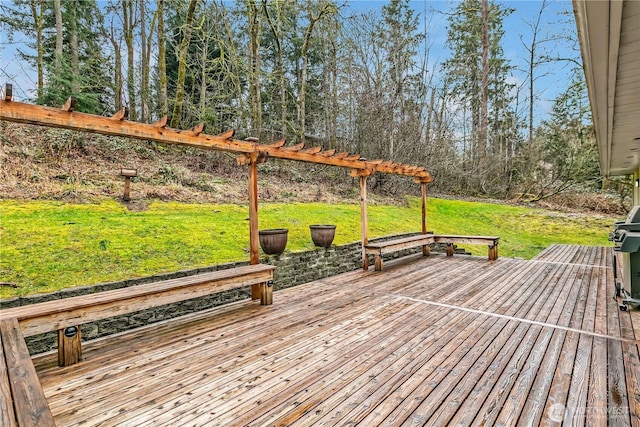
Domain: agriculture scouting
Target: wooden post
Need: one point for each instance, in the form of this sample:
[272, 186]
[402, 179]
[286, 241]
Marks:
[266, 293]
[493, 252]
[423, 185]
[254, 242]
[364, 221]
[252, 161]
[127, 173]
[69, 346]
[363, 175]
[423, 181]
[424, 207]
[127, 189]
[450, 249]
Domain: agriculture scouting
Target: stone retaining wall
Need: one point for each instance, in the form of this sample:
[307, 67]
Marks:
[292, 269]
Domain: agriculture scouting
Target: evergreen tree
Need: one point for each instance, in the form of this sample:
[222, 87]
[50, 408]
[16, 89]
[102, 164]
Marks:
[570, 152]
[81, 70]
[479, 83]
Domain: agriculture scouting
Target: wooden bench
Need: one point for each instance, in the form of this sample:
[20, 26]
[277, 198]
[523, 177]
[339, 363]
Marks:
[66, 315]
[22, 400]
[490, 241]
[381, 248]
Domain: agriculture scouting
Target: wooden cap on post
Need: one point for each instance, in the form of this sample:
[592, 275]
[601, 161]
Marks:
[128, 172]
[8, 92]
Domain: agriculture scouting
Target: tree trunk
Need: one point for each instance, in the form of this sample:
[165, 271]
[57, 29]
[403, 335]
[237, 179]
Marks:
[59, 35]
[280, 65]
[128, 28]
[117, 70]
[144, 81]
[532, 63]
[430, 113]
[255, 104]
[73, 48]
[38, 20]
[147, 71]
[303, 72]
[203, 77]
[235, 60]
[182, 63]
[484, 112]
[162, 60]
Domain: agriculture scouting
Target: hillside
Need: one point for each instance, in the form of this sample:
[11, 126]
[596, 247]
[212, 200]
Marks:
[38, 163]
[56, 164]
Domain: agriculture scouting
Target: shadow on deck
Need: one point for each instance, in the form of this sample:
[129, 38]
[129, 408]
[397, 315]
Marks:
[429, 341]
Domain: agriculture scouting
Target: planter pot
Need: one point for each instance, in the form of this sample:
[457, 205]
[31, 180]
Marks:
[322, 235]
[273, 241]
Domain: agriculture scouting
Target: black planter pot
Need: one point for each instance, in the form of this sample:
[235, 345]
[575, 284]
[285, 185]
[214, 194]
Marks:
[322, 235]
[273, 241]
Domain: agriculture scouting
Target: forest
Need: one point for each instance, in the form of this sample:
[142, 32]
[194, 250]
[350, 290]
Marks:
[336, 74]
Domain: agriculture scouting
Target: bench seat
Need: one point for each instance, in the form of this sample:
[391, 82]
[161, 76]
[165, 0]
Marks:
[67, 314]
[380, 248]
[22, 400]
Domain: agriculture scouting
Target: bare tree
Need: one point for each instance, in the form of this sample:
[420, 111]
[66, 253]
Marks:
[255, 104]
[162, 60]
[187, 30]
[275, 25]
[59, 35]
[128, 28]
[326, 8]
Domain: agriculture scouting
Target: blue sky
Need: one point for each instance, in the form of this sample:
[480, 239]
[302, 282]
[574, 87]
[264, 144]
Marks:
[557, 19]
[554, 77]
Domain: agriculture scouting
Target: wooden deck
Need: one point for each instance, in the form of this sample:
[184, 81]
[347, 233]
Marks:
[429, 341]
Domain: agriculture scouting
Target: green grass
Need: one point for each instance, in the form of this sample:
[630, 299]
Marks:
[46, 246]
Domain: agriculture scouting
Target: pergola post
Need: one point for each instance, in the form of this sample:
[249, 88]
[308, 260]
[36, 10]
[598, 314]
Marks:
[252, 161]
[254, 243]
[423, 186]
[363, 175]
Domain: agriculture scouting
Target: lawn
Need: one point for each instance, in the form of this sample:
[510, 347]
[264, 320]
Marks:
[45, 246]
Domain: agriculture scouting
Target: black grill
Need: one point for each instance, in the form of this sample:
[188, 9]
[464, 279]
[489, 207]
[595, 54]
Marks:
[626, 239]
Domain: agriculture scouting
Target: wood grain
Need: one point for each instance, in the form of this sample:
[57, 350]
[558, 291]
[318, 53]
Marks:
[31, 408]
[361, 349]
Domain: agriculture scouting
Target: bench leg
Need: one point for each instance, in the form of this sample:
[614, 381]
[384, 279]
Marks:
[426, 251]
[449, 249]
[69, 346]
[256, 291]
[266, 293]
[493, 252]
[379, 262]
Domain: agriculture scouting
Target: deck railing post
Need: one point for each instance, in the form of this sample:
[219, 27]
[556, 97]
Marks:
[69, 346]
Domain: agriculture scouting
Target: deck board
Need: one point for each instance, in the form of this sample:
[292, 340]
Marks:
[429, 341]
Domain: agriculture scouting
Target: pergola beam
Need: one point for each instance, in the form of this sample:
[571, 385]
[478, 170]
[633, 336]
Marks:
[158, 132]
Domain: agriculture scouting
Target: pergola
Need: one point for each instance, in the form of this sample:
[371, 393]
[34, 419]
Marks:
[249, 153]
